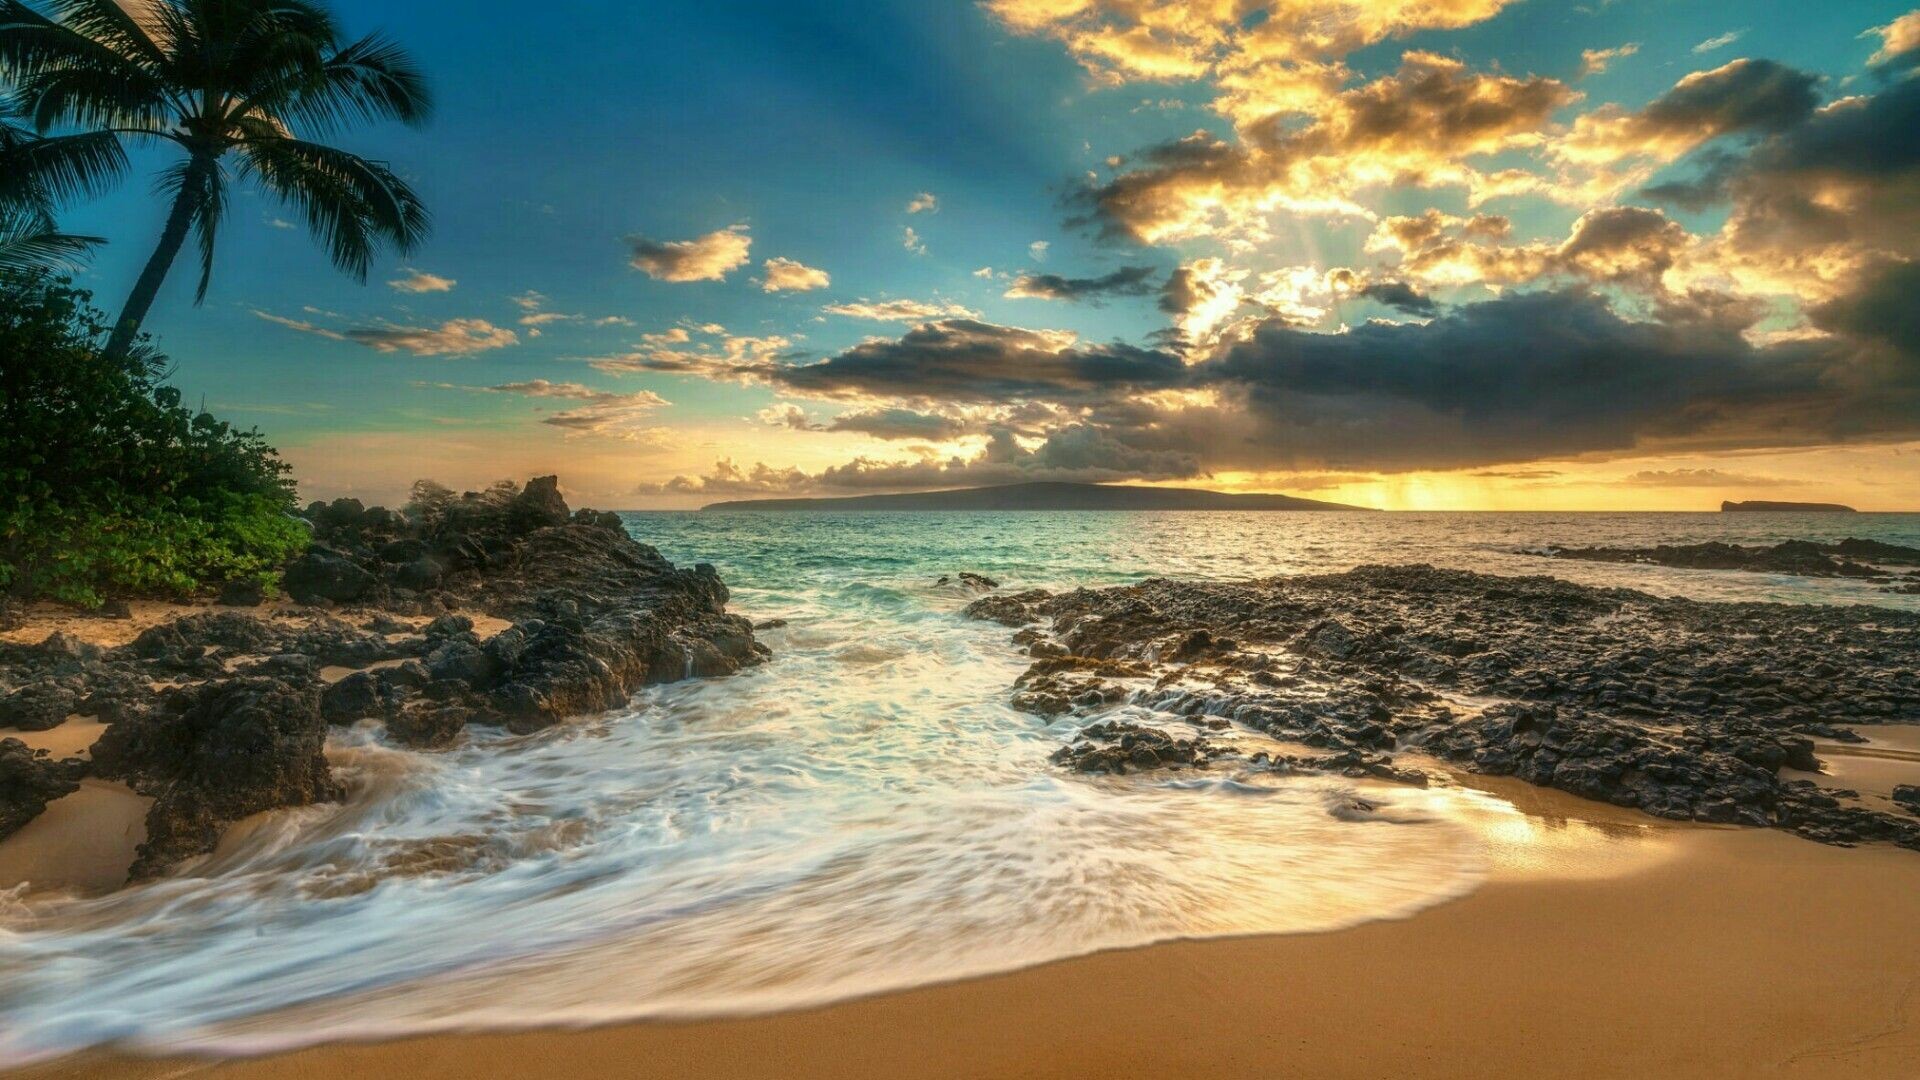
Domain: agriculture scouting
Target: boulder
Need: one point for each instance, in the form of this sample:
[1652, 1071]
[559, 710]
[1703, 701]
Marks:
[215, 753]
[242, 593]
[325, 575]
[29, 780]
[539, 505]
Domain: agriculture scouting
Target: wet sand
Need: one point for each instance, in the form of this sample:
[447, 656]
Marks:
[1736, 953]
[83, 842]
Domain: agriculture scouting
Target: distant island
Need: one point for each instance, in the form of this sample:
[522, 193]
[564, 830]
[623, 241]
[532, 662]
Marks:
[1766, 506]
[1046, 496]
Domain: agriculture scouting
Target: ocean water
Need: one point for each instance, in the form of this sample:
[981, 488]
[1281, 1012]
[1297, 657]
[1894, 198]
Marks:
[862, 813]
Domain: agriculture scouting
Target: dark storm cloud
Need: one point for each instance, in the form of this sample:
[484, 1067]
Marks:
[1884, 307]
[1400, 296]
[1745, 95]
[963, 360]
[1545, 375]
[900, 424]
[1076, 453]
[1847, 176]
[1126, 281]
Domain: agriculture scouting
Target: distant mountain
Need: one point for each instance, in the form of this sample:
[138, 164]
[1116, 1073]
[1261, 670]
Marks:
[1044, 496]
[1765, 506]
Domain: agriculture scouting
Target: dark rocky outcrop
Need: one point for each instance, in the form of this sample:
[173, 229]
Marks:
[1682, 709]
[1775, 506]
[214, 753]
[29, 780]
[1119, 747]
[594, 616]
[1847, 558]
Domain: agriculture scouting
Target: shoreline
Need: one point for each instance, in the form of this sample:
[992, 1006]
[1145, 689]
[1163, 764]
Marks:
[1739, 952]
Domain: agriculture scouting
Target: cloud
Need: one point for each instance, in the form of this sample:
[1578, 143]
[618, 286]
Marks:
[1701, 478]
[1519, 474]
[1899, 42]
[301, 325]
[1595, 61]
[729, 479]
[1077, 453]
[923, 203]
[1883, 306]
[787, 415]
[600, 412]
[572, 391]
[912, 242]
[1400, 296]
[1126, 40]
[1719, 41]
[455, 337]
[896, 423]
[1627, 245]
[964, 360]
[786, 275]
[707, 258]
[1038, 250]
[419, 281]
[1815, 203]
[1742, 96]
[1201, 296]
[1422, 126]
[1126, 281]
[1548, 374]
[899, 310]
[714, 354]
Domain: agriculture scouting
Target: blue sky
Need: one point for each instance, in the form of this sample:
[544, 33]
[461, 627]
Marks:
[810, 128]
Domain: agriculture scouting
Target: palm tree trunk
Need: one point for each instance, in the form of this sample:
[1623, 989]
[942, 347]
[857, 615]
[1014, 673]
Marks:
[179, 220]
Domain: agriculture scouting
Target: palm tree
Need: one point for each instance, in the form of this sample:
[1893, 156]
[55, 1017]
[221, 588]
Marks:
[220, 79]
[35, 176]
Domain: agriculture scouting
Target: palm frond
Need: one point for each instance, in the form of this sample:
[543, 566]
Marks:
[112, 25]
[59, 168]
[30, 241]
[92, 97]
[372, 79]
[353, 207]
[32, 44]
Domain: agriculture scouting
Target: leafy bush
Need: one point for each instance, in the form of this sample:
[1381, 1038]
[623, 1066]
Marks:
[107, 483]
[433, 507]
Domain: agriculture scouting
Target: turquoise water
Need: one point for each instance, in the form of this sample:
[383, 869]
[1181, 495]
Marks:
[862, 813]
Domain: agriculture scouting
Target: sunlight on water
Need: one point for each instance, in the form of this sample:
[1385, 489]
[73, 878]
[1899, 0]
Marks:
[863, 813]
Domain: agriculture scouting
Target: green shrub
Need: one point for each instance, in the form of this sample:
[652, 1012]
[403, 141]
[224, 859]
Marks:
[108, 485]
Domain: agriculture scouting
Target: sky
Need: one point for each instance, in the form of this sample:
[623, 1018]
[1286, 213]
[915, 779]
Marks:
[1413, 254]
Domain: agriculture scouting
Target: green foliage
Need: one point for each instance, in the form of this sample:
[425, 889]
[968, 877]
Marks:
[108, 485]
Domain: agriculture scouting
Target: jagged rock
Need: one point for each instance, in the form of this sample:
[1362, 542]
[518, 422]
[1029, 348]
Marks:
[539, 505]
[596, 616]
[1803, 557]
[1120, 748]
[1680, 708]
[421, 574]
[360, 696]
[40, 705]
[1908, 795]
[1008, 609]
[242, 593]
[29, 780]
[215, 753]
[323, 575]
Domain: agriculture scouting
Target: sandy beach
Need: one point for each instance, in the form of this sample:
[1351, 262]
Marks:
[1670, 951]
